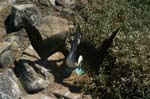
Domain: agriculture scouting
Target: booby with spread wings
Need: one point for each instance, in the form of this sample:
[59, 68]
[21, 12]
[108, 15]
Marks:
[79, 46]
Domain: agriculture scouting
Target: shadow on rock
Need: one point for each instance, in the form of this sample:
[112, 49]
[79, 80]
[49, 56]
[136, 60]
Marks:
[37, 75]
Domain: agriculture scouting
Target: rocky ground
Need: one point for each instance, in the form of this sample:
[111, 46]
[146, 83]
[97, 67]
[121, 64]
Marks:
[23, 75]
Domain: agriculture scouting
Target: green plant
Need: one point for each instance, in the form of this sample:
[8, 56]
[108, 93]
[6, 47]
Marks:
[124, 73]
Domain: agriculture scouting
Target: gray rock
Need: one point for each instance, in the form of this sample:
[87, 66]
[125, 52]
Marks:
[9, 88]
[62, 91]
[16, 45]
[52, 25]
[6, 59]
[48, 2]
[5, 3]
[2, 33]
[68, 13]
[13, 22]
[32, 55]
[57, 56]
[38, 96]
[66, 3]
[33, 76]
[26, 1]
[9, 51]
[4, 46]
[32, 82]
[12, 1]
[16, 41]
[5, 56]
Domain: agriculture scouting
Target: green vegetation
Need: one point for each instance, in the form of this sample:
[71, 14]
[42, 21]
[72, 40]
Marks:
[125, 71]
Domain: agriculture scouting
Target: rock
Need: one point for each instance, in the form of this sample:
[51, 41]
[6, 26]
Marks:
[24, 1]
[5, 3]
[2, 33]
[58, 58]
[52, 25]
[62, 91]
[12, 1]
[4, 46]
[38, 96]
[13, 22]
[14, 39]
[6, 59]
[66, 3]
[32, 82]
[30, 54]
[9, 51]
[74, 77]
[9, 88]
[68, 13]
[48, 2]
[18, 44]
[33, 76]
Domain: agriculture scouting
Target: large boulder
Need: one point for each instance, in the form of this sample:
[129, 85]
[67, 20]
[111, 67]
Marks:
[57, 58]
[10, 50]
[5, 3]
[13, 22]
[11, 47]
[6, 59]
[33, 76]
[2, 31]
[5, 55]
[31, 80]
[68, 13]
[9, 88]
[4, 46]
[52, 25]
[24, 1]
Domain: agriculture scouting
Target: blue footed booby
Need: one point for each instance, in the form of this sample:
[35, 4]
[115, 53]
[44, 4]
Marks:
[80, 45]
